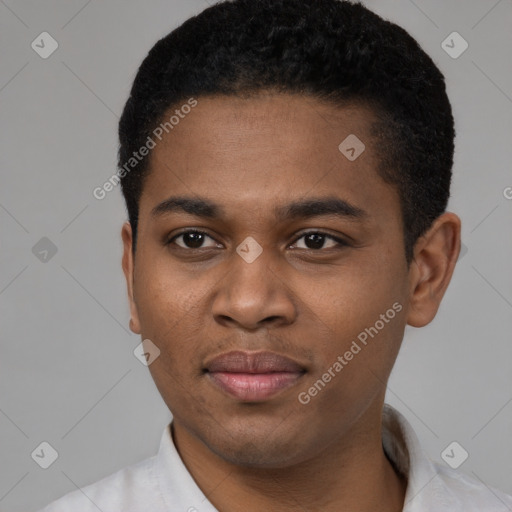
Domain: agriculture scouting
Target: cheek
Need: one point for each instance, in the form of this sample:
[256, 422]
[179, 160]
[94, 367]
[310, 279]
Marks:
[168, 314]
[164, 297]
[354, 367]
[353, 296]
[359, 316]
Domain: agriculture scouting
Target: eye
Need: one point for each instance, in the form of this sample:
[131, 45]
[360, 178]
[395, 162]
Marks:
[313, 240]
[192, 239]
[316, 240]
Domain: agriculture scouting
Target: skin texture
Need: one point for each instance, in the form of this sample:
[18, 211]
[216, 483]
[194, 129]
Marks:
[250, 156]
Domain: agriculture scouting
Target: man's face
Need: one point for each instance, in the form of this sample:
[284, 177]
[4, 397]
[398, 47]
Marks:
[326, 274]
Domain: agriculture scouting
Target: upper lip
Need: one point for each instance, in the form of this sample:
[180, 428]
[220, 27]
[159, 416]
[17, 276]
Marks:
[253, 362]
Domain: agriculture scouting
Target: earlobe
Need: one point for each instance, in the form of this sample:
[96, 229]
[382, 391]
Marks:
[435, 256]
[128, 270]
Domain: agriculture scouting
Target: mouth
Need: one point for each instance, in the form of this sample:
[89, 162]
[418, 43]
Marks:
[253, 376]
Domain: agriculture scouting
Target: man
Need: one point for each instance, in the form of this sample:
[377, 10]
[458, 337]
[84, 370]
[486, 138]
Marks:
[286, 167]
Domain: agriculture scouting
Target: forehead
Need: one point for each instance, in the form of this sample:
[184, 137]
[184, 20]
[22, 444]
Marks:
[245, 152]
[230, 120]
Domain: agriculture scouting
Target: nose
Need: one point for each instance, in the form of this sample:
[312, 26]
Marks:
[253, 295]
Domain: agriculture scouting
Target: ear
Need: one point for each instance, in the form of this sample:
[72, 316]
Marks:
[434, 257]
[128, 269]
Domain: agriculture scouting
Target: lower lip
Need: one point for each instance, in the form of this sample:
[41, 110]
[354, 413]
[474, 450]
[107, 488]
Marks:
[254, 387]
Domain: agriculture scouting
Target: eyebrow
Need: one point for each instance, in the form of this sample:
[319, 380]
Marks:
[303, 209]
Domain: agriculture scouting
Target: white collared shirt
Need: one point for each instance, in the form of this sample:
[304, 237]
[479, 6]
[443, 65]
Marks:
[162, 483]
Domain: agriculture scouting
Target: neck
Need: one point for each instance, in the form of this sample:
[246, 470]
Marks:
[353, 473]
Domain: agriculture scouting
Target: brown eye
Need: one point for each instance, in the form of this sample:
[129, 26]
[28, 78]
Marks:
[316, 240]
[192, 240]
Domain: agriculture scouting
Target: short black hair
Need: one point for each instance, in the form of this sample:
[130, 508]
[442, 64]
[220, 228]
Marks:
[331, 50]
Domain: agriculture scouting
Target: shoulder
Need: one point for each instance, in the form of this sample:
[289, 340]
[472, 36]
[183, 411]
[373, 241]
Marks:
[432, 486]
[459, 491]
[130, 489]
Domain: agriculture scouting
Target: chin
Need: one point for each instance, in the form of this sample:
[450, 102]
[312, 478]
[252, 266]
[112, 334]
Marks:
[254, 456]
[253, 448]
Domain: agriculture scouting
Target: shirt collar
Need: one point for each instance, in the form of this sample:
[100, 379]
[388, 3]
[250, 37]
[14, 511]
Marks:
[403, 449]
[178, 489]
[180, 492]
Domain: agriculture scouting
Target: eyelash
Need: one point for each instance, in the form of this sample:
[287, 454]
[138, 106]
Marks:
[339, 241]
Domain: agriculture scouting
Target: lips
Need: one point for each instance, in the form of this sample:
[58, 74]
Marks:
[253, 376]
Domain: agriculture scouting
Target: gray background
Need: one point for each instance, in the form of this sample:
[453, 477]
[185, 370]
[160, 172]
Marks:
[68, 375]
